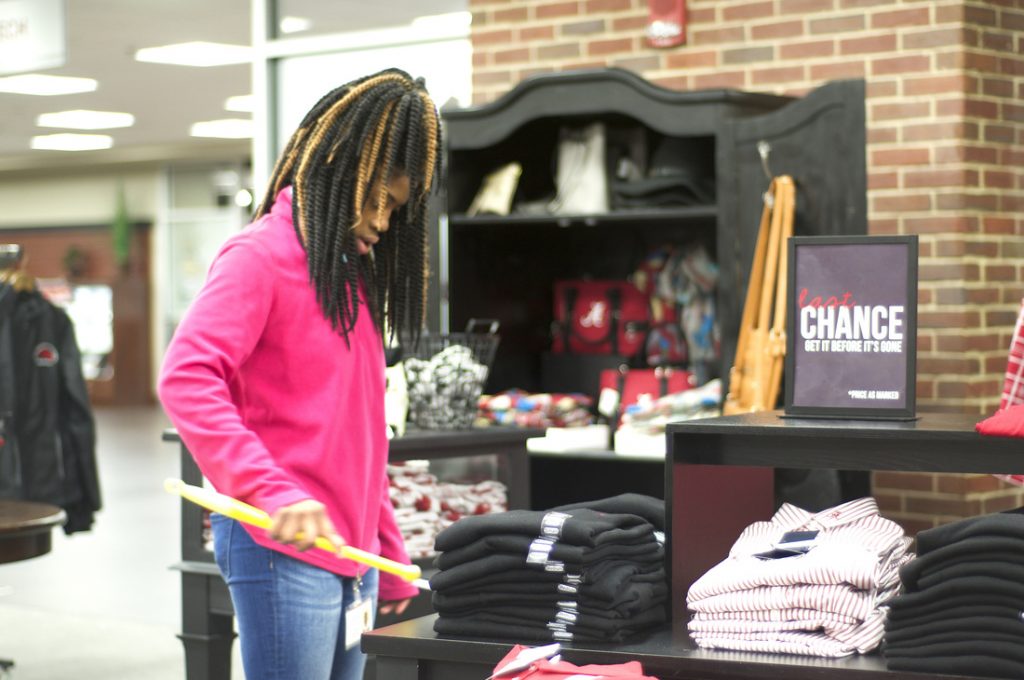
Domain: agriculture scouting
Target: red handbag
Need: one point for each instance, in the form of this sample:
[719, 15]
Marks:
[599, 317]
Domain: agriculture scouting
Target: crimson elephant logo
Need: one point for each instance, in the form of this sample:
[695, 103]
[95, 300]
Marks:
[45, 354]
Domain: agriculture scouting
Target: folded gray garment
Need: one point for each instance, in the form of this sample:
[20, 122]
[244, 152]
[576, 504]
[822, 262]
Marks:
[650, 508]
[973, 665]
[1000, 625]
[950, 636]
[966, 607]
[991, 549]
[1008, 524]
[632, 599]
[581, 527]
[604, 578]
[1007, 591]
[646, 549]
[503, 626]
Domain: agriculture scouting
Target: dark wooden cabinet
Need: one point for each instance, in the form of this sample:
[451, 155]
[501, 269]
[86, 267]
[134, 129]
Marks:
[504, 266]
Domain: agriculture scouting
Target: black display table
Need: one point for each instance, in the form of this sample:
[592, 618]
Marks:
[206, 613]
[412, 651]
[25, 529]
[718, 479]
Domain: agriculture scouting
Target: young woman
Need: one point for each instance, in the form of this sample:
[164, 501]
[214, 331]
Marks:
[275, 377]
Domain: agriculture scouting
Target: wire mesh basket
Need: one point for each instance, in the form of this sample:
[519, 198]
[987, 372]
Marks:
[446, 372]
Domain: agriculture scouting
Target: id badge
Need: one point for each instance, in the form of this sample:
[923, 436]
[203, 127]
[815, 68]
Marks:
[358, 618]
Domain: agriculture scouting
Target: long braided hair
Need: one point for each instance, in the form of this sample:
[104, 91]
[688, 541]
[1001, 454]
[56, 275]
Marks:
[357, 137]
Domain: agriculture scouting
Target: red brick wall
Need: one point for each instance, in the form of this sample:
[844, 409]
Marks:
[922, 500]
[945, 116]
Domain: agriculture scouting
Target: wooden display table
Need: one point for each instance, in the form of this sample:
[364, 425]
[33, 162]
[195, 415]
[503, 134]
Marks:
[25, 529]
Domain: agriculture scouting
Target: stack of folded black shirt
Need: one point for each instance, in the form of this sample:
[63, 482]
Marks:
[587, 572]
[963, 609]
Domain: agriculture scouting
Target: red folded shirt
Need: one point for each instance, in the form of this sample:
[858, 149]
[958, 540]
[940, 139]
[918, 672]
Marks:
[1008, 422]
[563, 670]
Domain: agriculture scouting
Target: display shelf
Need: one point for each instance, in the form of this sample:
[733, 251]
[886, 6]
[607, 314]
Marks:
[207, 614]
[738, 454]
[934, 442]
[717, 481]
[504, 266]
[605, 455]
[698, 213]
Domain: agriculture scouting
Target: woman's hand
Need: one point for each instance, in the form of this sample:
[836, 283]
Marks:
[396, 606]
[299, 524]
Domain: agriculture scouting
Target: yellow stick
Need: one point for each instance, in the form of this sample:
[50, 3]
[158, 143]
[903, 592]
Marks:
[247, 514]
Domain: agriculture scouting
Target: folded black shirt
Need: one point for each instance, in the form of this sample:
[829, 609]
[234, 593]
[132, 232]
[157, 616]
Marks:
[650, 508]
[1008, 524]
[581, 527]
[645, 549]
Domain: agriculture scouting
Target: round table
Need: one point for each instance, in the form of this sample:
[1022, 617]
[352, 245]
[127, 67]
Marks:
[25, 528]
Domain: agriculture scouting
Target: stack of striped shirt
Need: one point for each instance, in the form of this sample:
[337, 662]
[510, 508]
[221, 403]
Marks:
[823, 597]
[962, 611]
[570, 574]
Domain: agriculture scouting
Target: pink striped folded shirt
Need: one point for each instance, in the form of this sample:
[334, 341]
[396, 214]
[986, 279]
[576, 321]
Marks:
[859, 639]
[836, 599]
[793, 614]
[828, 601]
[854, 545]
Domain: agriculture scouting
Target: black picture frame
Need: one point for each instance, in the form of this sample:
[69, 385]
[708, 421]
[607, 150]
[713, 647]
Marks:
[851, 327]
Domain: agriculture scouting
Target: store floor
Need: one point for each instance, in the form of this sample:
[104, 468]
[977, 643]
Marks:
[104, 605]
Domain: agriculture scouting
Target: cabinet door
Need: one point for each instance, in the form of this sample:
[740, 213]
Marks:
[819, 140]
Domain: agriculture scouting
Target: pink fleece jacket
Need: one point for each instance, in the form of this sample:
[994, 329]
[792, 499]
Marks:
[274, 405]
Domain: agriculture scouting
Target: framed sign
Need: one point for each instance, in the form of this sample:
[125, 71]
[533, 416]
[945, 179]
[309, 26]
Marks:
[851, 336]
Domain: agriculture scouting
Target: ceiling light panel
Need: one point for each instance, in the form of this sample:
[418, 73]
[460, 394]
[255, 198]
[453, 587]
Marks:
[68, 141]
[83, 119]
[225, 128]
[243, 103]
[46, 85]
[197, 53]
[295, 24]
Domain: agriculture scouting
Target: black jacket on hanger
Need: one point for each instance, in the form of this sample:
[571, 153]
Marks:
[47, 435]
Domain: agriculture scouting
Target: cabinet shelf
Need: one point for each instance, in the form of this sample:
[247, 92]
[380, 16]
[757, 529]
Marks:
[696, 213]
[595, 454]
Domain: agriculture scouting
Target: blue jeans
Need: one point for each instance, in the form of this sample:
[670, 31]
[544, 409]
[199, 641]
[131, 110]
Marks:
[291, 615]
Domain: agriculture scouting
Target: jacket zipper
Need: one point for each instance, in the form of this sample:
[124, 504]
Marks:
[11, 445]
[60, 455]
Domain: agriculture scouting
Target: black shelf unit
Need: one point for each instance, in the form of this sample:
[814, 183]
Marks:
[206, 611]
[504, 267]
[718, 479]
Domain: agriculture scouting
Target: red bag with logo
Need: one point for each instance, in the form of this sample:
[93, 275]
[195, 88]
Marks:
[631, 383]
[599, 317]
